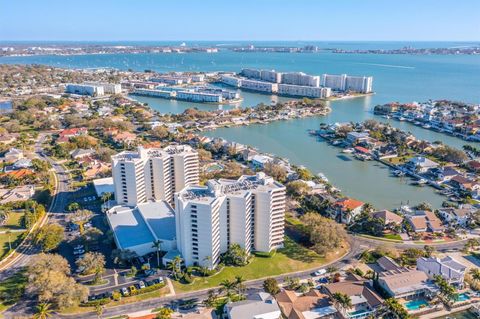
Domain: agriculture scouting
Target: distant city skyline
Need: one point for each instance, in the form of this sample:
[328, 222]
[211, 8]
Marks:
[248, 20]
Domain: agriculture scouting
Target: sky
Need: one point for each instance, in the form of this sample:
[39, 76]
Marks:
[300, 20]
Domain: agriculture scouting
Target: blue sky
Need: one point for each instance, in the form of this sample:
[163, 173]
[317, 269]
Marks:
[104, 20]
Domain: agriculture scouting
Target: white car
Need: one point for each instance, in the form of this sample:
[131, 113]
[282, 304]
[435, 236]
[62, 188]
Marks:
[141, 284]
[320, 272]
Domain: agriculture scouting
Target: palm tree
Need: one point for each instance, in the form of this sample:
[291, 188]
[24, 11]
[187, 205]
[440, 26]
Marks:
[157, 244]
[106, 197]
[343, 300]
[99, 310]
[239, 285]
[228, 286]
[475, 273]
[43, 311]
[175, 266]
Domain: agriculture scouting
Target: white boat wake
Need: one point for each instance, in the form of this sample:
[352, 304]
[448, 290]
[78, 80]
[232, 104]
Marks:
[390, 65]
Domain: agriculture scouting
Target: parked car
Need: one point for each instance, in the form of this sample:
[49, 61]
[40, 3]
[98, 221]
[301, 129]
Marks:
[125, 291]
[320, 272]
[141, 284]
[132, 288]
[323, 280]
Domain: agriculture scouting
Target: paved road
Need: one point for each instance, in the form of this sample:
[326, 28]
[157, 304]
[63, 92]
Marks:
[358, 245]
[55, 214]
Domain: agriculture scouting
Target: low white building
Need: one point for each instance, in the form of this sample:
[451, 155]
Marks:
[85, 89]
[136, 228]
[304, 91]
[260, 86]
[108, 88]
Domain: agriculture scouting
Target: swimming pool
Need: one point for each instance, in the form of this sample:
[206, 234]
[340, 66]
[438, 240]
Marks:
[462, 297]
[358, 313]
[416, 304]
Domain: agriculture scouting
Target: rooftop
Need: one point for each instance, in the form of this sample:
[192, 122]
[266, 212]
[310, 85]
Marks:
[142, 224]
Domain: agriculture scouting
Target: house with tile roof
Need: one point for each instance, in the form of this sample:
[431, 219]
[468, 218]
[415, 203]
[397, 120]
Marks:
[388, 217]
[311, 305]
[365, 301]
[345, 209]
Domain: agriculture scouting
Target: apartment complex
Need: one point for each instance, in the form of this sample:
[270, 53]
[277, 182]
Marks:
[85, 89]
[307, 91]
[153, 174]
[343, 82]
[298, 83]
[248, 211]
[108, 88]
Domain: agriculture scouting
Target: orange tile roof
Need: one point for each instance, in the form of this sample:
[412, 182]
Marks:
[20, 173]
[348, 203]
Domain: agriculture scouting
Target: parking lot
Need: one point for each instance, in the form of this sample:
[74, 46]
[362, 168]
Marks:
[116, 277]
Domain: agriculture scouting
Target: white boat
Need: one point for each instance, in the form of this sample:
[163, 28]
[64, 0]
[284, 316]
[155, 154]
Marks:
[426, 126]
[417, 123]
[322, 177]
[387, 117]
[401, 118]
[398, 173]
[348, 150]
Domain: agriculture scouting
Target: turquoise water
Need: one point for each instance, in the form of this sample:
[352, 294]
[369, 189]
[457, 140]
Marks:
[462, 297]
[357, 313]
[415, 304]
[396, 78]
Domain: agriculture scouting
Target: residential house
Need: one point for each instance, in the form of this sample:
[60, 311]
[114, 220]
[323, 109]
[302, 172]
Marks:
[464, 183]
[19, 193]
[457, 216]
[125, 138]
[257, 306]
[449, 268]
[473, 166]
[388, 217]
[388, 264]
[81, 153]
[66, 134]
[311, 305]
[259, 161]
[446, 174]
[13, 155]
[424, 220]
[408, 284]
[345, 209]
[22, 163]
[365, 301]
[420, 164]
[357, 137]
[248, 154]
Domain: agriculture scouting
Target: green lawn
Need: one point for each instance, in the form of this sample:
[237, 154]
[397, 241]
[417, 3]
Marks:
[392, 236]
[12, 288]
[14, 221]
[292, 258]
[15, 239]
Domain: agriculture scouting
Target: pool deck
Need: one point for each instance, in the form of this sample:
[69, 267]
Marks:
[445, 312]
